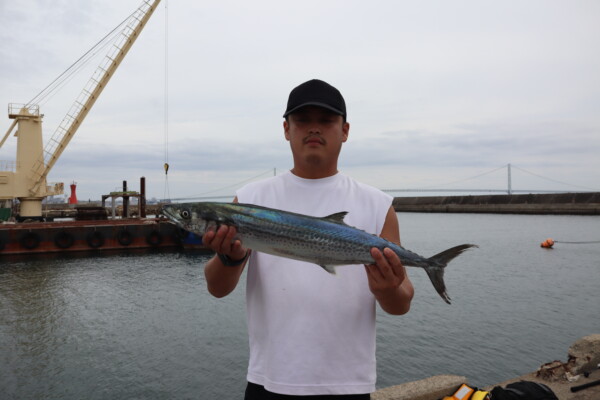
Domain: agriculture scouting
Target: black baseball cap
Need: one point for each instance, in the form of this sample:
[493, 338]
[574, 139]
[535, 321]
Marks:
[316, 93]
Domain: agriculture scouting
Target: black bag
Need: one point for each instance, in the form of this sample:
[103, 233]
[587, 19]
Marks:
[523, 390]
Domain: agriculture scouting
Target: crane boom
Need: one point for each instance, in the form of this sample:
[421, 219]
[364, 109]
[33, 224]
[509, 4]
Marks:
[82, 105]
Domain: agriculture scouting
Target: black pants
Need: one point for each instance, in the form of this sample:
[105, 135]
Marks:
[257, 392]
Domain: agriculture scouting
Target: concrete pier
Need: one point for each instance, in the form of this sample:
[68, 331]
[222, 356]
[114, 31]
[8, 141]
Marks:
[554, 203]
[432, 388]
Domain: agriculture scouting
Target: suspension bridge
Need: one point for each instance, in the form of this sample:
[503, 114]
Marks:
[508, 190]
[438, 188]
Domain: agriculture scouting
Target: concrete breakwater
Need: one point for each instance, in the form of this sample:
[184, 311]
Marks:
[582, 369]
[587, 203]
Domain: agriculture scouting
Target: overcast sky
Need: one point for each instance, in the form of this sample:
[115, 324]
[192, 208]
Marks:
[437, 91]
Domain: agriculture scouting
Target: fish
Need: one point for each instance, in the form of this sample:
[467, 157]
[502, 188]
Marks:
[326, 241]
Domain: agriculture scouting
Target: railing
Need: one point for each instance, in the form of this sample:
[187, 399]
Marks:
[56, 188]
[15, 109]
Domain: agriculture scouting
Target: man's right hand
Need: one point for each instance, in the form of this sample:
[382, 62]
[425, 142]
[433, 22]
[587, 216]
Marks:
[220, 279]
[222, 241]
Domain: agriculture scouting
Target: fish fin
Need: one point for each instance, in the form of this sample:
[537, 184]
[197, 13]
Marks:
[328, 268]
[337, 217]
[435, 270]
[436, 275]
[446, 256]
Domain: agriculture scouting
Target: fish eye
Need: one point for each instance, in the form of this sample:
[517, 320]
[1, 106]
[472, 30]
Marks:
[185, 214]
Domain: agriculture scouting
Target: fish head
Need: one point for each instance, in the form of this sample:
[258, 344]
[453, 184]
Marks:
[195, 217]
[186, 216]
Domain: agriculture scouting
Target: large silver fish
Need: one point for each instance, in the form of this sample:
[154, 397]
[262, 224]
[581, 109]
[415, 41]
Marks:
[326, 241]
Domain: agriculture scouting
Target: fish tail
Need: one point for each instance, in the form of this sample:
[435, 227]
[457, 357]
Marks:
[437, 264]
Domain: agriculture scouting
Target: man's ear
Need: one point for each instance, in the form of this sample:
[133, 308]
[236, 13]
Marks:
[286, 130]
[346, 130]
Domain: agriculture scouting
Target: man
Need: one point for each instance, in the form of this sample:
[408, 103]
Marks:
[311, 333]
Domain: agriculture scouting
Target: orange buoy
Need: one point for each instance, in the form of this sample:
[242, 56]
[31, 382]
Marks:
[547, 244]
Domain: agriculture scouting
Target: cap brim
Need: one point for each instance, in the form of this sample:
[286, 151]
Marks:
[314, 103]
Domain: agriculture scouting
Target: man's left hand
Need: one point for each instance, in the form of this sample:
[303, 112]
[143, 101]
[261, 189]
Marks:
[386, 274]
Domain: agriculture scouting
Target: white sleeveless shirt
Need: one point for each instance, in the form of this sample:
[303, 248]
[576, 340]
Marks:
[311, 332]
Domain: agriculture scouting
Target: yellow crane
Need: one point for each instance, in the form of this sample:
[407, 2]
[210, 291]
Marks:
[25, 179]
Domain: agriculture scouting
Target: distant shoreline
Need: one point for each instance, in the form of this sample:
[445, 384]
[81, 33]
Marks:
[554, 203]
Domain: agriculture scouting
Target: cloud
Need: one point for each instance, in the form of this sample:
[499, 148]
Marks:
[477, 145]
[436, 91]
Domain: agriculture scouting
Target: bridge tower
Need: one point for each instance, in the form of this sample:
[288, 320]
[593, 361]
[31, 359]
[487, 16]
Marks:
[509, 180]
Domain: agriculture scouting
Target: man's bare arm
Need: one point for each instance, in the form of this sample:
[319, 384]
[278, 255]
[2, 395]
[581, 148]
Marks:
[387, 277]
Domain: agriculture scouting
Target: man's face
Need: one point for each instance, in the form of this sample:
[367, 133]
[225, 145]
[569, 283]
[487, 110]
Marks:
[315, 134]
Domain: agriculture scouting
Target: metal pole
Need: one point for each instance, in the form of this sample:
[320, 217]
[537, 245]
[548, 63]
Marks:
[142, 204]
[509, 181]
[125, 213]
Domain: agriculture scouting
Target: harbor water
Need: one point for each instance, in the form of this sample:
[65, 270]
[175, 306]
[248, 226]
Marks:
[142, 326]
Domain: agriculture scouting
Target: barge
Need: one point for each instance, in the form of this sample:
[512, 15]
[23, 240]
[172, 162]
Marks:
[95, 235]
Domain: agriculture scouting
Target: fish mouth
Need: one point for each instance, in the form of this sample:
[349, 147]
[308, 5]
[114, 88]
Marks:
[171, 213]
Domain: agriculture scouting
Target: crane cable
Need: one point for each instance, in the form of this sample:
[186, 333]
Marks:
[166, 194]
[68, 74]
